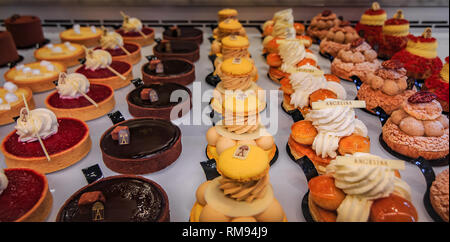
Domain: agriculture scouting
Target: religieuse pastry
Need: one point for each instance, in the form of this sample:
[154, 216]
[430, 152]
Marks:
[122, 198]
[38, 76]
[232, 46]
[420, 56]
[236, 74]
[418, 128]
[308, 84]
[338, 37]
[353, 192]
[166, 100]
[177, 49]
[395, 35]
[24, 196]
[11, 101]
[321, 23]
[240, 125]
[8, 49]
[386, 88]
[283, 15]
[291, 54]
[132, 30]
[75, 97]
[88, 36]
[370, 26]
[328, 132]
[438, 84]
[26, 30]
[175, 70]
[100, 68]
[45, 143]
[242, 193]
[359, 59]
[439, 195]
[113, 43]
[184, 33]
[141, 145]
[66, 53]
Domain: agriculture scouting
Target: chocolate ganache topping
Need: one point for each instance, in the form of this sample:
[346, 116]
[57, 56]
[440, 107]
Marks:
[164, 92]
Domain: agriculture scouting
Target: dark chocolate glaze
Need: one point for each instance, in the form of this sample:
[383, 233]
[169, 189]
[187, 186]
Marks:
[147, 138]
[171, 68]
[164, 91]
[178, 47]
[127, 200]
[185, 32]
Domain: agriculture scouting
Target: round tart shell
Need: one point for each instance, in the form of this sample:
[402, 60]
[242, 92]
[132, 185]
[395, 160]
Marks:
[40, 211]
[156, 162]
[160, 112]
[84, 113]
[6, 116]
[37, 84]
[182, 79]
[115, 82]
[68, 61]
[58, 161]
[86, 41]
[134, 56]
[165, 215]
[197, 39]
[192, 56]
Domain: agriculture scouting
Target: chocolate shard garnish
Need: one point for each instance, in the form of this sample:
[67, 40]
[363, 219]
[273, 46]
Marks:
[137, 82]
[167, 47]
[176, 32]
[153, 64]
[116, 117]
[116, 130]
[92, 173]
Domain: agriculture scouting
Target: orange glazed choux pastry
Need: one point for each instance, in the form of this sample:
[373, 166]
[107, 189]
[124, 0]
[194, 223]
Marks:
[304, 132]
[323, 192]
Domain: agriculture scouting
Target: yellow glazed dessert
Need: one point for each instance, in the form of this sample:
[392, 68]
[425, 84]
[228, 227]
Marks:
[38, 76]
[87, 36]
[232, 46]
[229, 27]
[227, 13]
[243, 191]
[66, 53]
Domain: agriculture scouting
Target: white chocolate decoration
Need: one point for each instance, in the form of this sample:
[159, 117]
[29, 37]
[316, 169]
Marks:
[93, 29]
[98, 59]
[10, 87]
[36, 72]
[20, 67]
[71, 85]
[11, 97]
[3, 181]
[111, 40]
[77, 29]
[132, 25]
[40, 121]
[57, 49]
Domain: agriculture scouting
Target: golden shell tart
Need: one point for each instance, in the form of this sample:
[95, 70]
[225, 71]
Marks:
[11, 110]
[38, 76]
[66, 53]
[87, 36]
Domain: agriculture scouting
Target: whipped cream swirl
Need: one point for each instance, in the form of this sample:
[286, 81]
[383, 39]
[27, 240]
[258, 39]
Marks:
[40, 121]
[132, 25]
[111, 40]
[3, 181]
[292, 51]
[70, 86]
[98, 59]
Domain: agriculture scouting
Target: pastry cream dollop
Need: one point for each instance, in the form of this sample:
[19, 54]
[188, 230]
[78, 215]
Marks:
[3, 181]
[111, 40]
[304, 83]
[132, 25]
[40, 121]
[72, 85]
[98, 59]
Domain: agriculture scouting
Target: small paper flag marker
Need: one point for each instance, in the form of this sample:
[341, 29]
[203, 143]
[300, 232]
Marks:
[35, 130]
[126, 17]
[105, 31]
[89, 53]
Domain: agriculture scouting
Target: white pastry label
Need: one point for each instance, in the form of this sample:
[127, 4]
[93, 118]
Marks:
[237, 61]
[335, 103]
[312, 71]
[241, 152]
[370, 161]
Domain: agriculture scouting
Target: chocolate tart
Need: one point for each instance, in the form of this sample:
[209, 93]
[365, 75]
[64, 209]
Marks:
[68, 146]
[179, 49]
[154, 145]
[7, 116]
[106, 77]
[128, 198]
[120, 55]
[86, 36]
[186, 34]
[137, 38]
[9, 55]
[67, 57]
[163, 107]
[26, 30]
[27, 197]
[37, 83]
[81, 108]
[177, 70]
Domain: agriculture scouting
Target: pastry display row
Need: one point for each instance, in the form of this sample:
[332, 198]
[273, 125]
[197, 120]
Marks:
[66, 104]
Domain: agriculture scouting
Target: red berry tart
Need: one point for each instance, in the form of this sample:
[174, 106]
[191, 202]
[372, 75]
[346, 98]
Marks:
[395, 36]
[113, 43]
[438, 84]
[132, 30]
